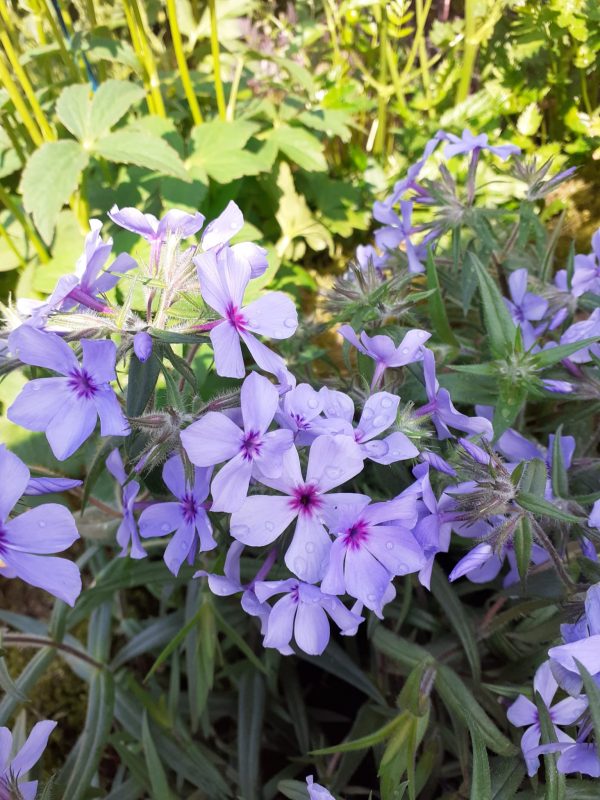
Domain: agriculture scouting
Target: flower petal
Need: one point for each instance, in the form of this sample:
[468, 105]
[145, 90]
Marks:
[180, 546]
[58, 576]
[311, 629]
[99, 359]
[33, 748]
[261, 519]
[160, 519]
[308, 552]
[280, 624]
[333, 460]
[30, 412]
[229, 362]
[135, 221]
[32, 346]
[259, 400]
[273, 315]
[14, 477]
[230, 487]
[113, 421]
[224, 227]
[49, 528]
[71, 427]
[212, 439]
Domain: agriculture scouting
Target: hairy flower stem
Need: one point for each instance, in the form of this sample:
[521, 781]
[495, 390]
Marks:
[25, 640]
[85, 299]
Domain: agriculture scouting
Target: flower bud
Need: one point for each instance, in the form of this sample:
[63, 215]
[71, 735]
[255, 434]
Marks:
[142, 345]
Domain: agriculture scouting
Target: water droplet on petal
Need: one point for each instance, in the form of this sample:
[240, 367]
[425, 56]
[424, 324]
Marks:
[35, 387]
[313, 403]
[333, 472]
[367, 413]
[290, 323]
[239, 531]
[380, 420]
[386, 402]
[309, 547]
[405, 350]
[166, 528]
[42, 524]
[423, 334]
[269, 526]
[299, 565]
[371, 598]
[389, 545]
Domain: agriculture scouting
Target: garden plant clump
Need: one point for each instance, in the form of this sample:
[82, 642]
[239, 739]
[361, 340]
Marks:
[299, 382]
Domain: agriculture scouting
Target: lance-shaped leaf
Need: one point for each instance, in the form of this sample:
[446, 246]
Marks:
[437, 309]
[543, 508]
[499, 326]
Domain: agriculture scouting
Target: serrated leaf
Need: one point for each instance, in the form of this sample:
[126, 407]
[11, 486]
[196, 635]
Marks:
[218, 150]
[499, 326]
[143, 150]
[300, 146]
[48, 181]
[110, 102]
[73, 109]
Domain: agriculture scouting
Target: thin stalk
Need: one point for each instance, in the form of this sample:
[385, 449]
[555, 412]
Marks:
[7, 238]
[149, 59]
[139, 51]
[8, 122]
[469, 53]
[382, 104]
[235, 85]
[27, 640]
[7, 19]
[184, 73]
[47, 132]
[19, 104]
[32, 234]
[91, 13]
[214, 49]
[59, 39]
[331, 27]
[584, 92]
[416, 41]
[421, 22]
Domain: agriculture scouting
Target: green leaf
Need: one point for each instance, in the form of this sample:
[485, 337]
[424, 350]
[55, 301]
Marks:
[499, 326]
[454, 611]
[337, 662]
[370, 740]
[48, 181]
[141, 381]
[218, 151]
[73, 109]
[512, 396]
[437, 309]
[546, 358]
[142, 149]
[560, 480]
[111, 101]
[300, 146]
[523, 544]
[156, 772]
[481, 781]
[407, 653]
[507, 775]
[251, 711]
[593, 695]
[543, 508]
[533, 477]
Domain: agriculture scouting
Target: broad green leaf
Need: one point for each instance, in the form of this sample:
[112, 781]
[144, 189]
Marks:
[156, 771]
[218, 150]
[142, 149]
[48, 181]
[544, 508]
[454, 611]
[481, 782]
[251, 711]
[593, 695]
[296, 220]
[73, 109]
[111, 101]
[499, 326]
[529, 120]
[300, 146]
[141, 381]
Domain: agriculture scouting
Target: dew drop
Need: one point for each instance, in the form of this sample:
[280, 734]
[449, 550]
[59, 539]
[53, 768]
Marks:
[389, 545]
[371, 598]
[166, 528]
[299, 565]
[386, 402]
[333, 472]
[313, 403]
[380, 420]
[233, 226]
[290, 323]
[423, 334]
[269, 526]
[35, 387]
[309, 547]
[239, 531]
[367, 413]
[42, 524]
[405, 350]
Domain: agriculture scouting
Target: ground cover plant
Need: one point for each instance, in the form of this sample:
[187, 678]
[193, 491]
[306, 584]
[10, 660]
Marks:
[299, 458]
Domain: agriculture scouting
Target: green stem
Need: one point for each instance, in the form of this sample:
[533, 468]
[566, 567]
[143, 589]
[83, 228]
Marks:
[235, 85]
[58, 38]
[139, 51]
[32, 234]
[469, 53]
[214, 48]
[149, 58]
[423, 61]
[382, 103]
[184, 73]
[6, 236]
[20, 105]
[9, 124]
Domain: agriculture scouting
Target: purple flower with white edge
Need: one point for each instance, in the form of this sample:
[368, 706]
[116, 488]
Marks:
[221, 230]
[215, 438]
[27, 541]
[13, 770]
[586, 274]
[525, 307]
[88, 280]
[384, 352]
[442, 410]
[187, 517]
[378, 414]
[373, 545]
[127, 533]
[142, 346]
[156, 231]
[524, 713]
[332, 460]
[316, 791]
[302, 614]
[68, 407]
[468, 143]
[222, 286]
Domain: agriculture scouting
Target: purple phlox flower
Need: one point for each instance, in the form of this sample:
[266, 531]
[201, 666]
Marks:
[586, 274]
[45, 485]
[230, 583]
[434, 525]
[13, 769]
[67, 408]
[438, 463]
[384, 352]
[586, 329]
[409, 182]
[302, 614]
[142, 345]
[523, 712]
[187, 517]
[477, 453]
[588, 550]
[576, 757]
[249, 449]
[558, 387]
[156, 231]
[316, 791]
[367, 255]
[373, 545]
[274, 314]
[379, 414]
[400, 229]
[524, 306]
[127, 532]
[443, 413]
[300, 411]
[26, 541]
[332, 461]
[582, 643]
[594, 518]
[468, 143]
[220, 231]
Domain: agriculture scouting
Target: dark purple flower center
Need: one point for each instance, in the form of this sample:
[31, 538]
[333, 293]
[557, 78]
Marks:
[294, 594]
[300, 422]
[234, 316]
[355, 536]
[305, 499]
[189, 507]
[251, 445]
[82, 383]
